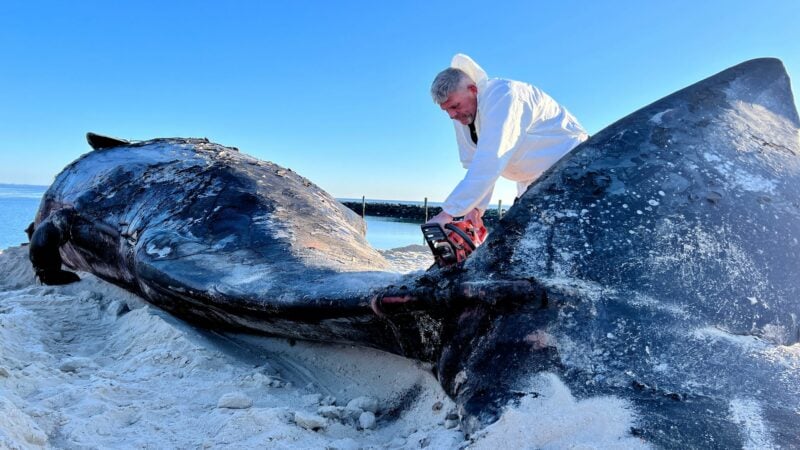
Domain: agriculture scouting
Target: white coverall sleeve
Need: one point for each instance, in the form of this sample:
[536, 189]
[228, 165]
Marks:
[502, 117]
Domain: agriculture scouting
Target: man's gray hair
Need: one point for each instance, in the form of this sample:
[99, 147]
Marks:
[448, 81]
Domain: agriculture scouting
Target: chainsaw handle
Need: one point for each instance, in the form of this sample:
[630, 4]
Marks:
[467, 239]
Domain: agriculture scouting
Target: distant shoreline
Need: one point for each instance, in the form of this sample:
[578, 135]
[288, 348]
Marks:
[411, 212]
[27, 186]
[395, 209]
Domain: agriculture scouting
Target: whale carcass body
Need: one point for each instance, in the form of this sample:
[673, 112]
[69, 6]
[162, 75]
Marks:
[655, 263]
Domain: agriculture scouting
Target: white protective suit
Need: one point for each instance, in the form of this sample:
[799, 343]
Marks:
[521, 133]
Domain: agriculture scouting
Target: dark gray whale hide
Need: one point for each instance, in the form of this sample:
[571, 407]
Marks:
[655, 264]
[215, 235]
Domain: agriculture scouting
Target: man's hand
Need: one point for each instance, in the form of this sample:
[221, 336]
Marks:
[474, 216]
[442, 219]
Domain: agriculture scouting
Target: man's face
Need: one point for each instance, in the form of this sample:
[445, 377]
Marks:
[462, 105]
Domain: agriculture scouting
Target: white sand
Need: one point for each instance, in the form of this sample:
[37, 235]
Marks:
[90, 365]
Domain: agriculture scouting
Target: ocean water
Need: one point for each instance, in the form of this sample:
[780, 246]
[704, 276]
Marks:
[384, 233]
[18, 205]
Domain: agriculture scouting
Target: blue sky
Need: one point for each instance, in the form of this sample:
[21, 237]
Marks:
[338, 91]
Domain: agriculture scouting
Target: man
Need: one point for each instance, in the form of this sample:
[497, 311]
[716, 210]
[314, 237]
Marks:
[503, 128]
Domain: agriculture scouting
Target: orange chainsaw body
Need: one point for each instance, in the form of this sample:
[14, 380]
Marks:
[454, 242]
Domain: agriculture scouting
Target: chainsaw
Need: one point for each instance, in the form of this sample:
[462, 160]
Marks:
[454, 242]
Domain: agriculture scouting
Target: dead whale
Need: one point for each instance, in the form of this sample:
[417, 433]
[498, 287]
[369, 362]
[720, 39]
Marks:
[655, 263]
